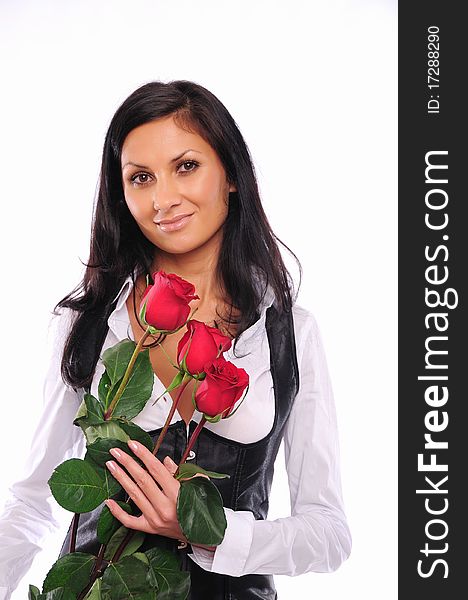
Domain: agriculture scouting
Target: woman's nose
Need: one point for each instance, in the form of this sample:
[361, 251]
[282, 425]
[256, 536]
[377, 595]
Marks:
[165, 195]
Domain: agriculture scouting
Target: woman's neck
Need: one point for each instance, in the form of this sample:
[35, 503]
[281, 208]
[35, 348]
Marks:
[199, 269]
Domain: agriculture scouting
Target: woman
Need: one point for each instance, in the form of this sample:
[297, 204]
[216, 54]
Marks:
[178, 193]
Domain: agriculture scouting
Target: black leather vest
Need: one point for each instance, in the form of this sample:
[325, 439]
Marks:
[250, 467]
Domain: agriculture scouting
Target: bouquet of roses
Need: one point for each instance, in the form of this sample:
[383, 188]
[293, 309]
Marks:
[119, 571]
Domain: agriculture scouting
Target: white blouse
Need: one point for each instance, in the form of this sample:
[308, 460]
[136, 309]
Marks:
[315, 537]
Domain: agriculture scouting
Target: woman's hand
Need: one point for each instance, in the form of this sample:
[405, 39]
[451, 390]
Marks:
[157, 503]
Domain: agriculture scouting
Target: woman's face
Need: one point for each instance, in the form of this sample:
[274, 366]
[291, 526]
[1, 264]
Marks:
[168, 172]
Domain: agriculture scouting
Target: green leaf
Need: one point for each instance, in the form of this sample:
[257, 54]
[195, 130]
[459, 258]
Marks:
[176, 381]
[105, 390]
[163, 560]
[139, 385]
[95, 592]
[120, 429]
[166, 576]
[188, 470]
[108, 524]
[135, 432]
[138, 389]
[127, 580]
[115, 541]
[76, 486]
[81, 413]
[200, 511]
[108, 429]
[116, 359]
[33, 592]
[90, 412]
[98, 451]
[108, 435]
[94, 408]
[110, 484]
[175, 586]
[71, 571]
[58, 594]
[141, 556]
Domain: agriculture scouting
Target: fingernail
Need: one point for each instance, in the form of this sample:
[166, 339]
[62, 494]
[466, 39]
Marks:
[169, 460]
[132, 445]
[111, 465]
[115, 452]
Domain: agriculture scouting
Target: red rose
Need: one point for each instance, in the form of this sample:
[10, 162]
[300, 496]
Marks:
[164, 305]
[222, 387]
[202, 344]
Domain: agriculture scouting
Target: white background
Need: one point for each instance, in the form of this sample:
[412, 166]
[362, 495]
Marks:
[312, 85]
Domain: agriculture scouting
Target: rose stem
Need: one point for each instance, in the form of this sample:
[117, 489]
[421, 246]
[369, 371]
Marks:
[170, 415]
[94, 574]
[76, 519]
[191, 442]
[122, 545]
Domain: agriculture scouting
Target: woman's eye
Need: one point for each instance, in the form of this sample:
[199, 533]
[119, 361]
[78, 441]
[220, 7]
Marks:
[141, 182]
[140, 179]
[188, 162]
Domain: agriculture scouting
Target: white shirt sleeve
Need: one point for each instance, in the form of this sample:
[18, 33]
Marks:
[316, 536]
[30, 512]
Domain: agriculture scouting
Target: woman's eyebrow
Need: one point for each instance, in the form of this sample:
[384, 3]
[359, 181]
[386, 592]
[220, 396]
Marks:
[172, 160]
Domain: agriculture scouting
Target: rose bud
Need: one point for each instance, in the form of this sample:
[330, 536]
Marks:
[222, 387]
[199, 345]
[164, 305]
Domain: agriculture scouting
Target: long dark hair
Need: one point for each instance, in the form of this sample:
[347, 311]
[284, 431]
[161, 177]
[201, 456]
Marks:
[119, 248]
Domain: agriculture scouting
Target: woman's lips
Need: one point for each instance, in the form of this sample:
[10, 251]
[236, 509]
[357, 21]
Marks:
[175, 225]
